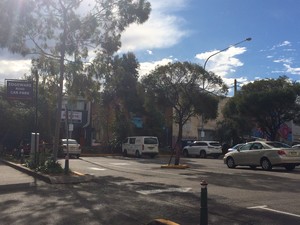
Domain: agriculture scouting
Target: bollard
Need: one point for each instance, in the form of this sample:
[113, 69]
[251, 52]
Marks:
[203, 210]
[67, 164]
[22, 156]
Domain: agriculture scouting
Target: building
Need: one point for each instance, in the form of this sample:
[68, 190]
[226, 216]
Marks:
[79, 120]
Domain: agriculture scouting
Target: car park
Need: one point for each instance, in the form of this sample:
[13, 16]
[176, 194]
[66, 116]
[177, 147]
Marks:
[70, 146]
[265, 154]
[203, 149]
[140, 145]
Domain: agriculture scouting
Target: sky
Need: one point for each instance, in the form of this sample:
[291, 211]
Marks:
[193, 30]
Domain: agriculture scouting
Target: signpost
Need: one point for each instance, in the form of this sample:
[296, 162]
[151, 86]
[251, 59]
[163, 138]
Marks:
[23, 90]
[19, 89]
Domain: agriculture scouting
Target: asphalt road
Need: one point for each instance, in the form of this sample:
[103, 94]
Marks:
[235, 196]
[129, 191]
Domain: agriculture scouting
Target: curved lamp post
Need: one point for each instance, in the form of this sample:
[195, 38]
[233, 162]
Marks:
[247, 39]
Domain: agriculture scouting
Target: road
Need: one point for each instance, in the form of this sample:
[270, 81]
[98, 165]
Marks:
[239, 196]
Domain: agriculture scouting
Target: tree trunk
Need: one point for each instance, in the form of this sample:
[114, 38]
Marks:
[60, 89]
[178, 144]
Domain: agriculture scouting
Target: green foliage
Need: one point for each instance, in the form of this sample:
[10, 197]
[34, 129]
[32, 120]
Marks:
[186, 88]
[179, 86]
[57, 31]
[267, 103]
[50, 166]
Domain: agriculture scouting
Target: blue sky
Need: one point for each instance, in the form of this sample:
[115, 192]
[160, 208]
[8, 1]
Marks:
[207, 26]
[192, 30]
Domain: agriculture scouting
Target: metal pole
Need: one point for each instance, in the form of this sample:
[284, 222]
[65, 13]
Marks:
[67, 135]
[36, 116]
[203, 210]
[204, 66]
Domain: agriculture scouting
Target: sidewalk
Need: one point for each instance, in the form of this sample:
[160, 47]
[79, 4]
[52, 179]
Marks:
[11, 178]
[17, 175]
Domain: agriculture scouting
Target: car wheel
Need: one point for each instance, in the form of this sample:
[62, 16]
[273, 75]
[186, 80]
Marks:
[185, 153]
[266, 164]
[230, 163]
[125, 153]
[289, 167]
[137, 154]
[202, 154]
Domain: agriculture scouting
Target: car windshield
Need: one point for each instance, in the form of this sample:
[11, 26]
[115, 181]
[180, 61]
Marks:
[278, 145]
[150, 141]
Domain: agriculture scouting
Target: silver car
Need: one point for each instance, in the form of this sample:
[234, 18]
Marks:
[265, 154]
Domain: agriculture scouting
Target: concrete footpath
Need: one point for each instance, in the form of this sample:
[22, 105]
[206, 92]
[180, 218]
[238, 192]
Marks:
[11, 178]
[13, 174]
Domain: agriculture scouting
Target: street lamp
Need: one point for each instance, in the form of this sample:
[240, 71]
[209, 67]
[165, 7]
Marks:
[247, 39]
[204, 66]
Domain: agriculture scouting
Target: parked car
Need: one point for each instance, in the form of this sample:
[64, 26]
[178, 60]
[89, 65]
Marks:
[203, 149]
[235, 147]
[140, 145]
[74, 147]
[265, 154]
[185, 142]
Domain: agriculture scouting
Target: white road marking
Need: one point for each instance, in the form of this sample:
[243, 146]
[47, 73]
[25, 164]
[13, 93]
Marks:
[120, 164]
[265, 207]
[148, 192]
[96, 168]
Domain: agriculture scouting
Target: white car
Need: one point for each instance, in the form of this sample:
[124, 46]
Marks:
[203, 149]
[70, 146]
[265, 154]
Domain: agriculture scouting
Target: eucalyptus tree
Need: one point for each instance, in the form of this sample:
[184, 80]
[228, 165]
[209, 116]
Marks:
[119, 94]
[266, 103]
[66, 31]
[180, 85]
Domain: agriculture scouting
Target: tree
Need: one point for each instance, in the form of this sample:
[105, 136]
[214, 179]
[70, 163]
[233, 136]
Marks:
[61, 30]
[267, 103]
[179, 85]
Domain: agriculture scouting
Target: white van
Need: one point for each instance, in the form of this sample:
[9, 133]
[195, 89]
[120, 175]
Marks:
[140, 145]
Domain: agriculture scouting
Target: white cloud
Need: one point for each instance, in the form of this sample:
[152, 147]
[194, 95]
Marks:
[14, 69]
[288, 61]
[162, 30]
[222, 63]
[147, 67]
[292, 70]
[150, 52]
[283, 44]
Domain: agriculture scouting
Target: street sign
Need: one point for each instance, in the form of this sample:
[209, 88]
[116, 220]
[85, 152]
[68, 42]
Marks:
[74, 116]
[19, 89]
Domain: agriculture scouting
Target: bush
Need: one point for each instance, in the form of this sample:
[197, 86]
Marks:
[49, 166]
